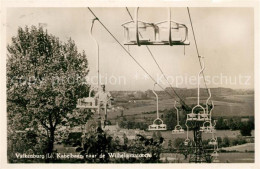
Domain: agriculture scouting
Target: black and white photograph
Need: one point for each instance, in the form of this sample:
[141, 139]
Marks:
[130, 84]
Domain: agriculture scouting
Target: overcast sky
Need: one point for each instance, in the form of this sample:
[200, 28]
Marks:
[225, 37]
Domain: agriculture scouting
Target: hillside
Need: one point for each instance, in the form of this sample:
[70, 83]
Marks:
[228, 102]
[183, 92]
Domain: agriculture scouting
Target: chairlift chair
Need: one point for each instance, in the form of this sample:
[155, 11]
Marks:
[216, 160]
[177, 130]
[210, 129]
[213, 142]
[203, 117]
[133, 37]
[155, 127]
[186, 142]
[87, 102]
[161, 125]
[202, 128]
[207, 129]
[215, 154]
[169, 26]
[191, 116]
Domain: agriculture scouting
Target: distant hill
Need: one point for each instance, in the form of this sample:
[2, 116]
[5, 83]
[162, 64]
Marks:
[183, 92]
[228, 102]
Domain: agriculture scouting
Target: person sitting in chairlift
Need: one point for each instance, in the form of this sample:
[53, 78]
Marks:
[104, 98]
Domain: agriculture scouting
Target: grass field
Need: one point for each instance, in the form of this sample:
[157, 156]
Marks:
[234, 105]
[167, 135]
[223, 157]
[241, 148]
[236, 157]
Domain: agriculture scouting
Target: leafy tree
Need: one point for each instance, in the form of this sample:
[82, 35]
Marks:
[170, 145]
[143, 145]
[225, 142]
[158, 134]
[170, 119]
[99, 144]
[178, 143]
[219, 140]
[246, 129]
[154, 136]
[125, 139]
[221, 124]
[43, 82]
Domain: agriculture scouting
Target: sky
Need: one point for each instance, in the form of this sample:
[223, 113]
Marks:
[225, 38]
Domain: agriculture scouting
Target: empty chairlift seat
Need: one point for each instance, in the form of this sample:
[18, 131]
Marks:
[157, 123]
[139, 33]
[186, 142]
[132, 31]
[215, 154]
[203, 117]
[172, 33]
[192, 116]
[154, 126]
[213, 142]
[216, 160]
[210, 129]
[177, 130]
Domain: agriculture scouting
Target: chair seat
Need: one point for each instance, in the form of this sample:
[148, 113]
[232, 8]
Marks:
[213, 143]
[148, 42]
[216, 161]
[177, 131]
[86, 107]
[155, 127]
[215, 155]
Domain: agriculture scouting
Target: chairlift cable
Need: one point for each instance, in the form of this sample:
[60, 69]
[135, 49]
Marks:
[182, 102]
[157, 63]
[194, 37]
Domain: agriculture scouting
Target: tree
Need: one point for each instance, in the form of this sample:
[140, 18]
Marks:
[143, 145]
[99, 144]
[44, 81]
[246, 128]
[154, 136]
[221, 124]
[170, 119]
[178, 143]
[125, 139]
[170, 145]
[225, 142]
[158, 134]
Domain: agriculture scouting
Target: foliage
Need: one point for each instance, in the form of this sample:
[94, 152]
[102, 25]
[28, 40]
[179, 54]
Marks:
[132, 125]
[246, 128]
[143, 145]
[99, 144]
[43, 82]
[234, 123]
[170, 119]
[170, 145]
[221, 124]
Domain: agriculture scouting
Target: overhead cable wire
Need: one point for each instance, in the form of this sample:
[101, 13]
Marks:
[197, 49]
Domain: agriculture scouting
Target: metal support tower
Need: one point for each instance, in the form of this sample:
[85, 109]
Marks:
[198, 153]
